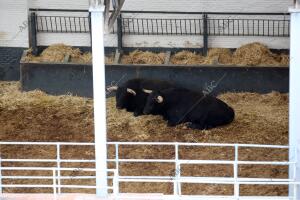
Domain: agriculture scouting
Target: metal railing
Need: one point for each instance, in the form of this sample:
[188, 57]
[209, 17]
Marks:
[57, 175]
[150, 26]
[176, 179]
[226, 25]
[62, 24]
[167, 23]
[249, 27]
[185, 23]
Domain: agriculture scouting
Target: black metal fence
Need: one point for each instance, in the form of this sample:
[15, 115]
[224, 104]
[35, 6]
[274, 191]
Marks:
[170, 23]
[249, 27]
[148, 26]
[62, 24]
[216, 27]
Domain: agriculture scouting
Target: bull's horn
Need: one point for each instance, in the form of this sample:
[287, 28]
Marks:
[159, 99]
[131, 91]
[112, 88]
[147, 91]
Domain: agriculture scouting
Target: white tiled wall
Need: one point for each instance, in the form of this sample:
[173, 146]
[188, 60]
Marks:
[14, 13]
[13, 23]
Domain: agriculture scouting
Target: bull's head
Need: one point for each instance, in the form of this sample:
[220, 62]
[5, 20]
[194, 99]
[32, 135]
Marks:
[154, 103]
[124, 96]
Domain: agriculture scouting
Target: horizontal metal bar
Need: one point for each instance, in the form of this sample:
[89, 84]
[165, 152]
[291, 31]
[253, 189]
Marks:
[182, 178]
[148, 143]
[57, 10]
[63, 16]
[201, 13]
[52, 168]
[203, 161]
[211, 181]
[214, 197]
[51, 186]
[163, 12]
[200, 144]
[155, 160]
[233, 162]
[144, 160]
[48, 177]
[228, 179]
[47, 160]
[49, 143]
[51, 177]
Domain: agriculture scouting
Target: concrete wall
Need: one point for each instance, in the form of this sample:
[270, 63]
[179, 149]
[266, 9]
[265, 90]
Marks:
[178, 5]
[13, 23]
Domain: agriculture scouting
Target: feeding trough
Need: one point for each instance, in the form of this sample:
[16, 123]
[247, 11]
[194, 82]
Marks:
[75, 77]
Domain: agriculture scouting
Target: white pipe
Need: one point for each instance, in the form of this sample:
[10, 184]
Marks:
[149, 143]
[49, 143]
[51, 186]
[294, 109]
[97, 24]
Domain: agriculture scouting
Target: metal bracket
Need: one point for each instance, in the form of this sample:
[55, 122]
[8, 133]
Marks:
[110, 19]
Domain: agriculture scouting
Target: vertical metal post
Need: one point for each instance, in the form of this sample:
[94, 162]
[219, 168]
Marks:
[235, 172]
[177, 171]
[90, 27]
[97, 22]
[32, 33]
[54, 183]
[117, 169]
[294, 100]
[205, 35]
[0, 175]
[58, 167]
[120, 33]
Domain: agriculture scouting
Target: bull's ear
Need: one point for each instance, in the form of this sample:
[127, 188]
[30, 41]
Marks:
[159, 99]
[131, 91]
[147, 91]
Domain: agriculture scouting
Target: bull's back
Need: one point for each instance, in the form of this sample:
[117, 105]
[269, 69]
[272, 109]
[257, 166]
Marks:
[219, 113]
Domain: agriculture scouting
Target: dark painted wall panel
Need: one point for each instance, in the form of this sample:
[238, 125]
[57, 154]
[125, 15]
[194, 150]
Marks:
[77, 79]
[10, 63]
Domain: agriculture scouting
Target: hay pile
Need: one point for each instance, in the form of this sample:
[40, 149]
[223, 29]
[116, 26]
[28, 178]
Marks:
[63, 53]
[253, 54]
[218, 56]
[56, 53]
[36, 116]
[143, 57]
[187, 58]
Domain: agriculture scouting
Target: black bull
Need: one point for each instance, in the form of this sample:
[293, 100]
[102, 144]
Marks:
[181, 105]
[132, 95]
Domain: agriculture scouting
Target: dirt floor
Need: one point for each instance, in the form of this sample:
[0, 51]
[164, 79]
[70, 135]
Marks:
[35, 116]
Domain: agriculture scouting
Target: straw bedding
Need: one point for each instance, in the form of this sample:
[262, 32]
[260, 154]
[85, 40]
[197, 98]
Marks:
[256, 54]
[253, 54]
[187, 58]
[140, 57]
[35, 116]
[63, 53]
